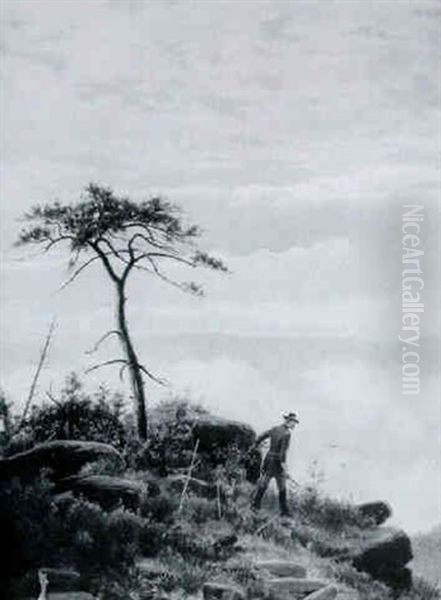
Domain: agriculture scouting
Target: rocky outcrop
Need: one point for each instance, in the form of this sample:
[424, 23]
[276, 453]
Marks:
[378, 511]
[108, 491]
[62, 457]
[384, 554]
[217, 432]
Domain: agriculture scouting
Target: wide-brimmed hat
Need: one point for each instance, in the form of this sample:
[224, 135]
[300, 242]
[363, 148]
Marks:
[290, 416]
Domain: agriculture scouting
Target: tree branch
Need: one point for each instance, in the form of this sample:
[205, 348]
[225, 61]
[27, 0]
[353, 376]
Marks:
[106, 262]
[106, 363]
[101, 340]
[77, 272]
[151, 376]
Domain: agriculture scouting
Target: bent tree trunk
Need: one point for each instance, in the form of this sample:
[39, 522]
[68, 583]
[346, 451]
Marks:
[136, 377]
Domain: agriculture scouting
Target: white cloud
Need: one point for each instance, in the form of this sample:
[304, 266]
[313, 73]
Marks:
[362, 435]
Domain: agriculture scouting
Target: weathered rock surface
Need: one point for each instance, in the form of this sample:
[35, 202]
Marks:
[282, 568]
[215, 431]
[108, 491]
[62, 457]
[219, 591]
[383, 554]
[294, 585]
[379, 511]
[327, 593]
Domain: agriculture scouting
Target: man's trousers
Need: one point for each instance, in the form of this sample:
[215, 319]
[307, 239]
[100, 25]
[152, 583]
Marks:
[272, 468]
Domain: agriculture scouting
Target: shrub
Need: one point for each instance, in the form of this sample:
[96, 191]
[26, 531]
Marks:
[76, 415]
[335, 515]
[186, 573]
[40, 531]
[199, 510]
[159, 508]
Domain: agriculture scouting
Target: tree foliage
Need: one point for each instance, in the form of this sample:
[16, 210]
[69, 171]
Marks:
[123, 236]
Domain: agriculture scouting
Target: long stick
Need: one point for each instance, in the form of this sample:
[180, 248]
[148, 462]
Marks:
[187, 481]
[37, 374]
[265, 525]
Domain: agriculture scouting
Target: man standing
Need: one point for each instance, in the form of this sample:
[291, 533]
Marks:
[274, 464]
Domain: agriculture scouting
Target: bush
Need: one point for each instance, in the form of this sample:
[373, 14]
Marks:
[40, 531]
[76, 415]
[334, 515]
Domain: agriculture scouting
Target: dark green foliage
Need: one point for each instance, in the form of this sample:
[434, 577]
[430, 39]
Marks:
[76, 415]
[159, 508]
[102, 213]
[40, 531]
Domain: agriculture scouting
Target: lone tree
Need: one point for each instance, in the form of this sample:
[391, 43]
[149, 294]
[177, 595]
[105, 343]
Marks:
[122, 236]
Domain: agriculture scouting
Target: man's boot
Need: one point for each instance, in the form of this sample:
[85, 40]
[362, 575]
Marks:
[283, 502]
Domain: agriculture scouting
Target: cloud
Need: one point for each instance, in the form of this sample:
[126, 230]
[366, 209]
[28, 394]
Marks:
[358, 431]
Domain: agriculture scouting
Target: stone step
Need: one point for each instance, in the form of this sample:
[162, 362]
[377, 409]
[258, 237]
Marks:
[327, 593]
[220, 591]
[282, 568]
[294, 585]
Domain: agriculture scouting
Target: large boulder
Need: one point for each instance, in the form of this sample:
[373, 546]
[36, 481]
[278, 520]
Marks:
[384, 554]
[62, 457]
[108, 491]
[378, 511]
[217, 432]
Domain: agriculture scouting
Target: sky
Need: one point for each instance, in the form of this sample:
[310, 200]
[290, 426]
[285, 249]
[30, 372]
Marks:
[292, 132]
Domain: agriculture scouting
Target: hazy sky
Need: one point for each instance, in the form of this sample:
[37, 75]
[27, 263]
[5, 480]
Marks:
[292, 132]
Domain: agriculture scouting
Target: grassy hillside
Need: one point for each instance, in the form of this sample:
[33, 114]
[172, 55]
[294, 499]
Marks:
[168, 544]
[427, 553]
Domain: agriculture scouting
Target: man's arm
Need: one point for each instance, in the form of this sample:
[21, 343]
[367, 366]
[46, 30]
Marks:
[284, 445]
[262, 436]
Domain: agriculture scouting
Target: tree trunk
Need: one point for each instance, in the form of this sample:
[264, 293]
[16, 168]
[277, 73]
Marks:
[136, 377]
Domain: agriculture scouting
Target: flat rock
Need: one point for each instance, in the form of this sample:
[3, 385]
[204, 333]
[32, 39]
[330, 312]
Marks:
[378, 511]
[214, 431]
[108, 491]
[282, 568]
[62, 457]
[327, 593]
[220, 591]
[294, 585]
